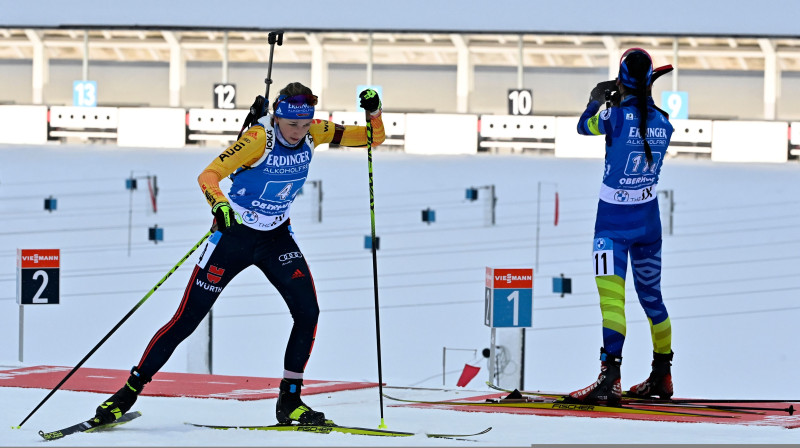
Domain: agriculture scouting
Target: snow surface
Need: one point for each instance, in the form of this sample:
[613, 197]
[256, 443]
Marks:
[730, 283]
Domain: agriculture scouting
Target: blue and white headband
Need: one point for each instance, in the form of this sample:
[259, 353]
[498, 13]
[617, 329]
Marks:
[296, 106]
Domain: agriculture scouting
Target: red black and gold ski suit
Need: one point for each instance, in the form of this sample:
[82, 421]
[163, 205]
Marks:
[264, 240]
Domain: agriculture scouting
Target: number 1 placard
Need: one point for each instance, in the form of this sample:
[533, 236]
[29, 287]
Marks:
[509, 298]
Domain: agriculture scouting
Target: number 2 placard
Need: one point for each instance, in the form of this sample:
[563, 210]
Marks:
[38, 276]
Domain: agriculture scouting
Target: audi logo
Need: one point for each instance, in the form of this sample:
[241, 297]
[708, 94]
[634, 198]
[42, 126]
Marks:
[289, 256]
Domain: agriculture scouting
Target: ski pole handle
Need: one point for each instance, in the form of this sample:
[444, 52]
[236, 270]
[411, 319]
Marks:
[274, 37]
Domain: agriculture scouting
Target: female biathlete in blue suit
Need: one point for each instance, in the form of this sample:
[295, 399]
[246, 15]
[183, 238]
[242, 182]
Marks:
[637, 135]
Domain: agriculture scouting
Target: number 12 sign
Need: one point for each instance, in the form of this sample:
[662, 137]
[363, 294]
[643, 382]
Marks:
[509, 298]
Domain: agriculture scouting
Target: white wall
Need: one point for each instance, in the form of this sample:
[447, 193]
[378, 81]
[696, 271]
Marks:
[441, 134]
[23, 124]
[713, 94]
[152, 127]
[750, 141]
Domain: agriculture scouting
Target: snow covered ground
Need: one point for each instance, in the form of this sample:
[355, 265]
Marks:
[730, 282]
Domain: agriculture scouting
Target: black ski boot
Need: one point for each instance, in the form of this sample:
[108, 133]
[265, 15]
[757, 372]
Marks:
[606, 390]
[122, 401]
[291, 408]
[659, 383]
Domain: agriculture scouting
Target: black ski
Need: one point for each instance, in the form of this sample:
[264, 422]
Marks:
[729, 405]
[333, 428]
[626, 396]
[89, 426]
[549, 403]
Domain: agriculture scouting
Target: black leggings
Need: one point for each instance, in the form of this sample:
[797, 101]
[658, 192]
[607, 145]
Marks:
[276, 254]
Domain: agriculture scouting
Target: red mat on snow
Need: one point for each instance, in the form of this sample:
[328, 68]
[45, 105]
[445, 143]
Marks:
[166, 384]
[759, 418]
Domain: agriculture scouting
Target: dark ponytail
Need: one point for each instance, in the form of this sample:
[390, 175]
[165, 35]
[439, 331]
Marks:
[635, 73]
[641, 99]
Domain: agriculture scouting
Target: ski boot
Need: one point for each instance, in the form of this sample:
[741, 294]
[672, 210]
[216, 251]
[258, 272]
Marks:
[121, 402]
[659, 383]
[291, 408]
[606, 390]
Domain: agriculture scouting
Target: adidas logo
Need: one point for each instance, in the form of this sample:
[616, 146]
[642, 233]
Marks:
[298, 274]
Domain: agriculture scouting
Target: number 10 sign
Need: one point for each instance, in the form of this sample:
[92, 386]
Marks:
[509, 298]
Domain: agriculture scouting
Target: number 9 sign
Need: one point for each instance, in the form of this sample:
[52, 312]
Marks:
[676, 104]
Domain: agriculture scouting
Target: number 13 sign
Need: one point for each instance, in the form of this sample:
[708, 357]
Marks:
[509, 298]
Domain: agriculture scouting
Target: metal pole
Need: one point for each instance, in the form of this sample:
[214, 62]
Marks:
[538, 207]
[675, 64]
[444, 362]
[522, 363]
[275, 37]
[444, 358]
[374, 263]
[85, 55]
[130, 215]
[319, 199]
[316, 204]
[492, 358]
[520, 64]
[210, 341]
[21, 329]
[538, 220]
[369, 60]
[225, 57]
[492, 203]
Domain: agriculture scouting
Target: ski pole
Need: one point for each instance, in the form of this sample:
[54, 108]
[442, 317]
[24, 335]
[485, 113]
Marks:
[374, 263]
[719, 407]
[102, 341]
[274, 37]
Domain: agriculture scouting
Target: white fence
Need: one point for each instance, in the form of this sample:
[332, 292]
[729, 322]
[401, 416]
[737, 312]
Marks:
[691, 136]
[83, 123]
[794, 138]
[517, 132]
[719, 140]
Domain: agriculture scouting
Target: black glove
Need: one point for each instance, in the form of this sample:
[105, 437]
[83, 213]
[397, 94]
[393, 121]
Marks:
[599, 92]
[370, 100]
[224, 216]
[257, 109]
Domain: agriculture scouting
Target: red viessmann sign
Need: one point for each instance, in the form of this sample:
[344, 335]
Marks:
[38, 276]
[39, 258]
[509, 278]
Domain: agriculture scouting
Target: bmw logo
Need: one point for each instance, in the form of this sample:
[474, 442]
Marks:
[250, 217]
[621, 196]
